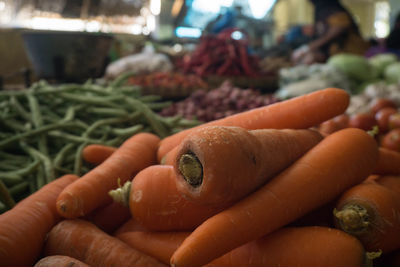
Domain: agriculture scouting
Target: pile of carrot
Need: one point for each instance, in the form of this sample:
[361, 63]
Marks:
[258, 188]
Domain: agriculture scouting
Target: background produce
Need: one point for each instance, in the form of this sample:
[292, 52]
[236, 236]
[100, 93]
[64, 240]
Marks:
[168, 85]
[353, 73]
[218, 103]
[266, 215]
[45, 128]
[221, 55]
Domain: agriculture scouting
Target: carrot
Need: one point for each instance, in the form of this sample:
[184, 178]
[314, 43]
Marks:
[220, 164]
[370, 212]
[388, 163]
[96, 154]
[60, 261]
[297, 113]
[339, 161]
[23, 229]
[389, 181]
[159, 245]
[170, 157]
[312, 246]
[91, 191]
[110, 218]
[129, 226]
[286, 247]
[84, 241]
[155, 202]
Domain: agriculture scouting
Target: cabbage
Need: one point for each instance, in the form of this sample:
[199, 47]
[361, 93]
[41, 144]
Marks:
[381, 61]
[353, 66]
[392, 73]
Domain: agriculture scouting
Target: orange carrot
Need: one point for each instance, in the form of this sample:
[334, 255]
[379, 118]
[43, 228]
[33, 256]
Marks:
[96, 154]
[159, 245]
[297, 113]
[84, 241]
[339, 161]
[110, 218]
[312, 246]
[389, 181]
[335, 124]
[23, 229]
[215, 165]
[91, 191]
[286, 247]
[155, 202]
[170, 157]
[370, 212]
[388, 163]
[60, 261]
[129, 226]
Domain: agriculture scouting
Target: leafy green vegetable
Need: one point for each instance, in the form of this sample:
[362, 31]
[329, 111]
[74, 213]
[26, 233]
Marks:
[381, 61]
[354, 66]
[392, 73]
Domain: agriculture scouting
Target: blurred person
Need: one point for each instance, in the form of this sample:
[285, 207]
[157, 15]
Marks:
[335, 32]
[393, 40]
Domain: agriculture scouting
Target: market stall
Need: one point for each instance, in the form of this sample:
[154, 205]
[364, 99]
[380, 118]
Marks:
[197, 133]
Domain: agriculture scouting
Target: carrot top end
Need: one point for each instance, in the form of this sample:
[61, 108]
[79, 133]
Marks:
[353, 218]
[121, 194]
[191, 169]
[374, 131]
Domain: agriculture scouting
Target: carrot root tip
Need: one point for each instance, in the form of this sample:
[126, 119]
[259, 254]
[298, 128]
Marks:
[121, 194]
[353, 218]
[191, 169]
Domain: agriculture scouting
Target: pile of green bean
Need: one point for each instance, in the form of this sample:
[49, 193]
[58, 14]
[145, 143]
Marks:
[44, 129]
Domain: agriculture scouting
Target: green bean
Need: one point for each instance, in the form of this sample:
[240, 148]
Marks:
[121, 79]
[171, 122]
[18, 172]
[20, 109]
[10, 179]
[70, 114]
[40, 130]
[78, 159]
[188, 123]
[107, 111]
[105, 101]
[5, 195]
[46, 162]
[40, 177]
[14, 156]
[72, 138]
[117, 141]
[32, 183]
[159, 106]
[37, 121]
[63, 170]
[13, 125]
[127, 131]
[149, 98]
[57, 162]
[99, 123]
[151, 117]
[19, 188]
